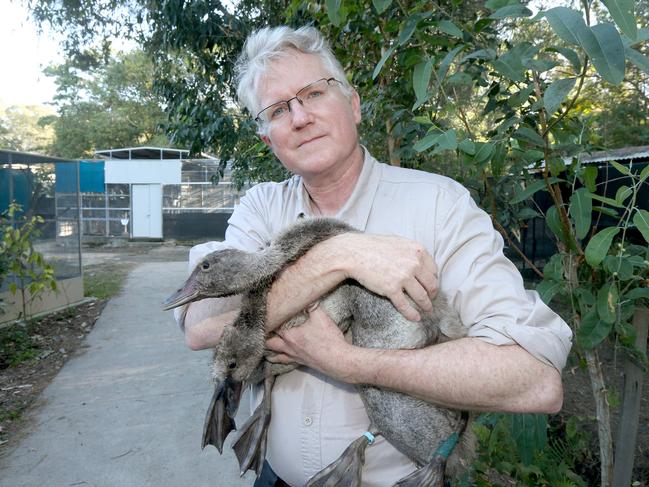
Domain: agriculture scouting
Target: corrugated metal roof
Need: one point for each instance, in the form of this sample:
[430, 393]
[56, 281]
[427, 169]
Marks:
[626, 153]
[143, 153]
[17, 157]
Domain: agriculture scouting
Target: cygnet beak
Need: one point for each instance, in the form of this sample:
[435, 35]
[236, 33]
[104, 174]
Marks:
[186, 294]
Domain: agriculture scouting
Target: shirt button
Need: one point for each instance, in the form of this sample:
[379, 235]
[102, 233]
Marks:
[308, 421]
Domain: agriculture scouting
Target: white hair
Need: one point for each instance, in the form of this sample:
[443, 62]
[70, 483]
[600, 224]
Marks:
[272, 43]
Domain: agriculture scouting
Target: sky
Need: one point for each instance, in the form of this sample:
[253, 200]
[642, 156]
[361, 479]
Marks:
[23, 55]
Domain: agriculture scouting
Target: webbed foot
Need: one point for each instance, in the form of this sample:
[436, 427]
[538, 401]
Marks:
[347, 471]
[430, 475]
[250, 444]
[219, 421]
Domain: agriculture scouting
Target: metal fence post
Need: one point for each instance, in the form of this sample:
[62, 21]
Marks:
[627, 430]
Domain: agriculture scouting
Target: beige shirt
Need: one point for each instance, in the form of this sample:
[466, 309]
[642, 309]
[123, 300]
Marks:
[314, 418]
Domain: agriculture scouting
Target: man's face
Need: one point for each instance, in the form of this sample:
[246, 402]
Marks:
[309, 141]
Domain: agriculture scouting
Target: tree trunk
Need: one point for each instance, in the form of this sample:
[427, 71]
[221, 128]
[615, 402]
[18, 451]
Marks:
[603, 412]
[395, 160]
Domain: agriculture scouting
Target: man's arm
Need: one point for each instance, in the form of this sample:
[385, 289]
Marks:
[462, 374]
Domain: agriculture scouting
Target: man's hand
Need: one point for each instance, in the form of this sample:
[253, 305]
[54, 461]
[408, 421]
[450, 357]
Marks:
[318, 343]
[394, 267]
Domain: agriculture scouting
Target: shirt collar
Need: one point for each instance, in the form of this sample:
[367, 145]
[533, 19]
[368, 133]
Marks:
[356, 210]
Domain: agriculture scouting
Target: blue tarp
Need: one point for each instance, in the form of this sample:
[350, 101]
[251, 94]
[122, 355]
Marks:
[21, 181]
[91, 175]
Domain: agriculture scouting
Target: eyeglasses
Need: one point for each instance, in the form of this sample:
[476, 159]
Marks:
[308, 96]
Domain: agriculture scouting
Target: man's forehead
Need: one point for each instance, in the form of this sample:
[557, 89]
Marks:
[286, 75]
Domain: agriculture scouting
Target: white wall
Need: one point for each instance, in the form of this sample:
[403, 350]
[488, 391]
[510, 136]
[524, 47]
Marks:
[134, 171]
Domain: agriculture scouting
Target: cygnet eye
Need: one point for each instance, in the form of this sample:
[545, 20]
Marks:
[205, 265]
[232, 365]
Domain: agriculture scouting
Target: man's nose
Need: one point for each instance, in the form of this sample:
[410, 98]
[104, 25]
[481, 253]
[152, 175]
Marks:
[300, 115]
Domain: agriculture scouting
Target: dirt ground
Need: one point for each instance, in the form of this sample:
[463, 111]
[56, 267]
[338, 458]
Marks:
[61, 336]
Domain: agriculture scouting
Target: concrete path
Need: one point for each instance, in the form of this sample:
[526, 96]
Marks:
[129, 410]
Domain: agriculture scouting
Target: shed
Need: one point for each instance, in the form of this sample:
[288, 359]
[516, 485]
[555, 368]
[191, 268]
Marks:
[157, 193]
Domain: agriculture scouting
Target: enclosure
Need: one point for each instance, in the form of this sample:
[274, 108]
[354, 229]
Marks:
[47, 187]
[155, 193]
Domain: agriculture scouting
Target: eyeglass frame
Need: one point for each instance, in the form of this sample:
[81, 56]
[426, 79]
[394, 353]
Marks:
[288, 102]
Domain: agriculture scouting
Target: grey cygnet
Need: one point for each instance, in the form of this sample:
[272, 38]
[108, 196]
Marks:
[422, 431]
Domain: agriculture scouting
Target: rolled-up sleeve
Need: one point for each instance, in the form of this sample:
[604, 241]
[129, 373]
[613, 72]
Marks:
[247, 230]
[487, 289]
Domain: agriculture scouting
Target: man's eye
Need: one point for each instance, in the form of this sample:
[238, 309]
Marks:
[278, 112]
[315, 94]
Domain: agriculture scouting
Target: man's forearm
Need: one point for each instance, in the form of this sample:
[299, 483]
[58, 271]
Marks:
[317, 272]
[205, 320]
[462, 374]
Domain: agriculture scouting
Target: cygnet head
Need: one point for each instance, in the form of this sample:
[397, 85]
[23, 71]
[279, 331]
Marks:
[238, 354]
[222, 273]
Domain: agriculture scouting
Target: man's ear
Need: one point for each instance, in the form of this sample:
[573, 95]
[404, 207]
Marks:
[266, 141]
[356, 106]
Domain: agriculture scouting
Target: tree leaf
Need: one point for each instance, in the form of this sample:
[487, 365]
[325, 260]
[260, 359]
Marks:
[607, 300]
[529, 135]
[622, 169]
[637, 293]
[450, 28]
[468, 147]
[382, 61]
[553, 221]
[620, 266]
[623, 13]
[641, 220]
[410, 26]
[446, 141]
[483, 152]
[487, 54]
[553, 270]
[527, 213]
[532, 188]
[510, 65]
[566, 23]
[599, 245]
[644, 174]
[511, 11]
[608, 201]
[333, 11]
[623, 192]
[444, 65]
[590, 178]
[381, 5]
[427, 142]
[581, 209]
[602, 42]
[606, 50]
[592, 330]
[420, 81]
[556, 93]
[640, 60]
[570, 55]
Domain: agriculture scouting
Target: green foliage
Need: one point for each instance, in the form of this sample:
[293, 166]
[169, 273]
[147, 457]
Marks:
[105, 106]
[20, 129]
[521, 447]
[26, 269]
[16, 346]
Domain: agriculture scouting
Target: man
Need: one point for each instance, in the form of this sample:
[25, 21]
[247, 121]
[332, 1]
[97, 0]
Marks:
[422, 232]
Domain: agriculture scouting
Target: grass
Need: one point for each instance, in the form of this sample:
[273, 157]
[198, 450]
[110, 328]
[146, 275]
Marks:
[104, 281]
[16, 346]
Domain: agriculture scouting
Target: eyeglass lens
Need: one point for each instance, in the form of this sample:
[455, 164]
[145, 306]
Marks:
[307, 96]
